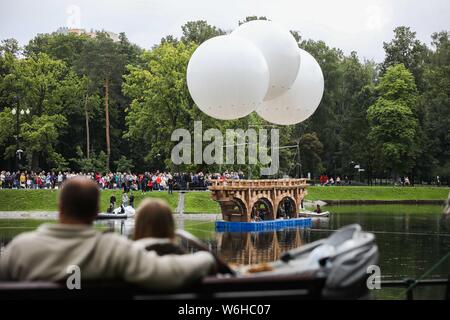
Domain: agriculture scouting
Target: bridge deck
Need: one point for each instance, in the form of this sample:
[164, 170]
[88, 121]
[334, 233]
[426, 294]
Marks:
[241, 200]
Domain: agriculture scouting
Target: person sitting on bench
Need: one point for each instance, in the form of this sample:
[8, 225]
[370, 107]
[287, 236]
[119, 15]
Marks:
[154, 228]
[47, 253]
[318, 209]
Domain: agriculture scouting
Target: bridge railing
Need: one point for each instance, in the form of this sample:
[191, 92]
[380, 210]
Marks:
[269, 183]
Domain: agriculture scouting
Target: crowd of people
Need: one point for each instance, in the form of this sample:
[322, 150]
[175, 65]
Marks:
[147, 181]
[330, 181]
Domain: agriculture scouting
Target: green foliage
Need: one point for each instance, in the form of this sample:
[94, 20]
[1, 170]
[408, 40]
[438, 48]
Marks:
[311, 150]
[160, 100]
[10, 46]
[436, 102]
[101, 59]
[145, 92]
[124, 164]
[397, 84]
[199, 31]
[40, 137]
[393, 124]
[407, 50]
[393, 128]
[7, 127]
[63, 47]
[95, 163]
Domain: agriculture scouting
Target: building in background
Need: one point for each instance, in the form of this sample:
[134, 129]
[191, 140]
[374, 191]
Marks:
[92, 33]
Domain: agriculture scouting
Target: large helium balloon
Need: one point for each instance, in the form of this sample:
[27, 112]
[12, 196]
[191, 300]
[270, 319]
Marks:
[302, 100]
[227, 77]
[279, 49]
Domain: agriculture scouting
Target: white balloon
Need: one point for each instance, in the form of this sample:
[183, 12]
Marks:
[279, 49]
[302, 100]
[227, 77]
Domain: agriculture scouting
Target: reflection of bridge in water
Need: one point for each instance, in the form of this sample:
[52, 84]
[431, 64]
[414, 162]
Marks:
[257, 247]
[243, 200]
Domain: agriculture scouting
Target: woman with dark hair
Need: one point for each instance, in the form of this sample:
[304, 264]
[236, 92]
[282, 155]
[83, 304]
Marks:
[154, 228]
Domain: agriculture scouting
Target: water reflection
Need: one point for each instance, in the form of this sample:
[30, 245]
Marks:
[411, 239]
[233, 247]
[256, 247]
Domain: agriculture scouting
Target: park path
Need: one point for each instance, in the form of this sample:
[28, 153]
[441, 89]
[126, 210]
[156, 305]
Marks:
[49, 215]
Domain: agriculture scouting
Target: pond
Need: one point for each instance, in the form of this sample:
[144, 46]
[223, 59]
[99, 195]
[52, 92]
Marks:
[411, 240]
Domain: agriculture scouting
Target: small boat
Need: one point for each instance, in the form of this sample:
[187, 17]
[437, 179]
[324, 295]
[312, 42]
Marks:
[118, 213]
[313, 214]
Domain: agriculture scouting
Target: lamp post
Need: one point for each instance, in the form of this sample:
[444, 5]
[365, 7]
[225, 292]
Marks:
[17, 112]
[358, 167]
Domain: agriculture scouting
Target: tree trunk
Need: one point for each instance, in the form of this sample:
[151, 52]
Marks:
[108, 145]
[86, 114]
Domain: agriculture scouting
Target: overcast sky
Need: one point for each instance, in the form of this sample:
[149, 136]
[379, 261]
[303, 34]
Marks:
[352, 25]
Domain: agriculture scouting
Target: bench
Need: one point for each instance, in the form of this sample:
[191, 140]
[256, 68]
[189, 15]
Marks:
[251, 287]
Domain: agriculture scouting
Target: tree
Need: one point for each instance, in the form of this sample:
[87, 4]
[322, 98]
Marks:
[198, 32]
[35, 82]
[39, 138]
[398, 85]
[124, 164]
[96, 163]
[169, 39]
[131, 51]
[7, 127]
[10, 46]
[311, 150]
[436, 101]
[166, 103]
[64, 47]
[393, 124]
[356, 94]
[326, 121]
[296, 36]
[103, 61]
[358, 148]
[407, 50]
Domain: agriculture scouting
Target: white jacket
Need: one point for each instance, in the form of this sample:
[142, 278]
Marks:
[45, 254]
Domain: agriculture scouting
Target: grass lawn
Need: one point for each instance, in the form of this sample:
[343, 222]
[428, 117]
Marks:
[377, 193]
[46, 200]
[200, 202]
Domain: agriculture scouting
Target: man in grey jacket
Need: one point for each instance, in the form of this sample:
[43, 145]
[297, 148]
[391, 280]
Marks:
[48, 253]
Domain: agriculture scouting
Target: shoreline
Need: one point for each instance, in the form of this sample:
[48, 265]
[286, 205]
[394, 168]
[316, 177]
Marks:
[53, 215]
[363, 202]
